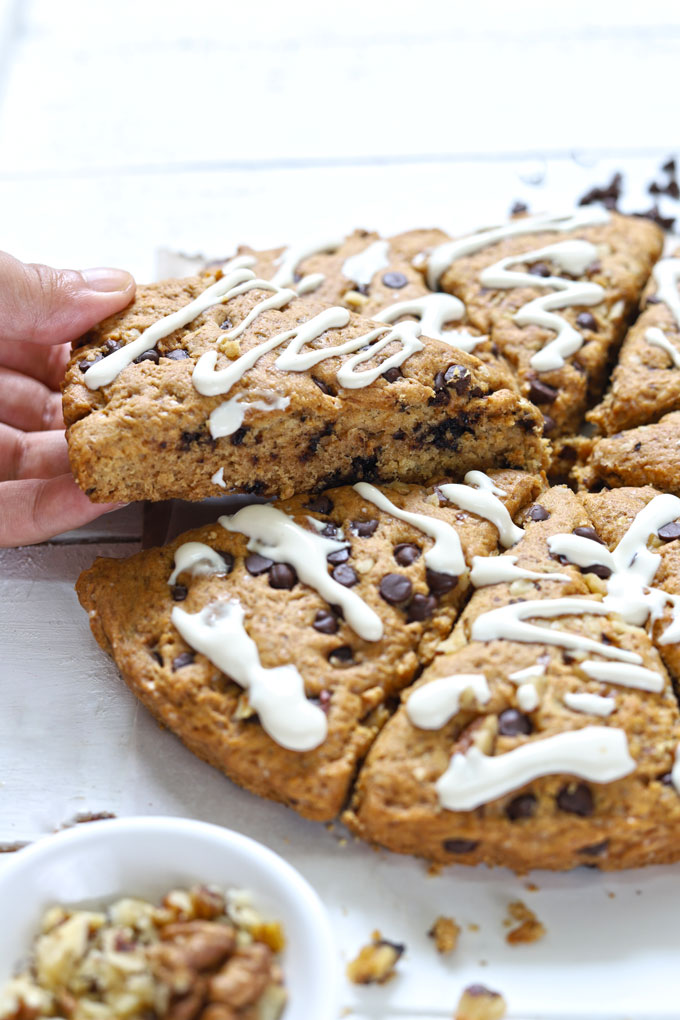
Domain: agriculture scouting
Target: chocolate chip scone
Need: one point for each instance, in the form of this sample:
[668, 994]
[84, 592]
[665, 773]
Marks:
[555, 295]
[273, 641]
[648, 455]
[545, 733]
[229, 381]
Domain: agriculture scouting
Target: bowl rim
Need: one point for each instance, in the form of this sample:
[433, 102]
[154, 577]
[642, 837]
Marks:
[310, 907]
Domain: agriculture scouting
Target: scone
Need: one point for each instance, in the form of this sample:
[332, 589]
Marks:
[273, 642]
[227, 382]
[545, 732]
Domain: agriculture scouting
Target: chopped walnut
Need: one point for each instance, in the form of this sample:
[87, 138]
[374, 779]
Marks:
[529, 929]
[201, 955]
[480, 1003]
[375, 962]
[445, 933]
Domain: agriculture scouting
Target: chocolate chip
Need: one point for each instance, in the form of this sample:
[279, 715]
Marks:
[228, 560]
[586, 320]
[364, 529]
[669, 531]
[587, 532]
[111, 346]
[340, 556]
[439, 382]
[343, 654]
[598, 569]
[595, 849]
[239, 436]
[459, 378]
[422, 608]
[518, 207]
[148, 356]
[325, 622]
[541, 393]
[226, 324]
[282, 575]
[257, 565]
[323, 386]
[392, 374]
[179, 592]
[176, 355]
[406, 553]
[185, 659]
[84, 365]
[609, 195]
[157, 657]
[363, 288]
[460, 846]
[439, 583]
[576, 799]
[669, 167]
[521, 807]
[540, 269]
[654, 214]
[320, 505]
[549, 424]
[395, 588]
[395, 280]
[329, 531]
[511, 722]
[538, 513]
[345, 575]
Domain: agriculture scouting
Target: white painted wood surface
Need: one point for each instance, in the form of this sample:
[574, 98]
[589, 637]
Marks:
[133, 126]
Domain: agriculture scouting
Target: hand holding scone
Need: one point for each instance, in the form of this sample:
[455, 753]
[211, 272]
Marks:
[41, 310]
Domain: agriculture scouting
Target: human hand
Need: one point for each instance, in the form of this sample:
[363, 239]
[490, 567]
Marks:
[41, 310]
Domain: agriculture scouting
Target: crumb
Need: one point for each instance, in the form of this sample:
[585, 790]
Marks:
[529, 929]
[375, 963]
[434, 869]
[473, 927]
[480, 1003]
[531, 887]
[611, 895]
[445, 933]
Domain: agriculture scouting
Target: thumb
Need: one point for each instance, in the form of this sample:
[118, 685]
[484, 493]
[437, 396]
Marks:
[42, 305]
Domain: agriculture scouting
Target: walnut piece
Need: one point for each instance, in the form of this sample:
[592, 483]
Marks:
[530, 929]
[480, 1003]
[375, 962]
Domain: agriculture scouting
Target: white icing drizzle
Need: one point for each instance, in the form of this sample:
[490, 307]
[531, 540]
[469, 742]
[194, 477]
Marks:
[509, 622]
[431, 706]
[624, 674]
[445, 254]
[289, 260]
[482, 501]
[279, 299]
[277, 695]
[446, 555]
[218, 478]
[527, 697]
[276, 536]
[496, 569]
[590, 704]
[572, 256]
[597, 753]
[675, 771]
[199, 559]
[234, 282]
[210, 382]
[633, 567]
[530, 673]
[657, 338]
[433, 312]
[229, 416]
[666, 274]
[483, 481]
[362, 267]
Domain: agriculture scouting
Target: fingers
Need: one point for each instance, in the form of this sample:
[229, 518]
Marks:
[51, 306]
[36, 509]
[28, 404]
[48, 364]
[31, 454]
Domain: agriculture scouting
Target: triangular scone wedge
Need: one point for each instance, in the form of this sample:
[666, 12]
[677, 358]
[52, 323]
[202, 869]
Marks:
[647, 455]
[646, 381]
[555, 294]
[264, 406]
[390, 598]
[376, 278]
[554, 754]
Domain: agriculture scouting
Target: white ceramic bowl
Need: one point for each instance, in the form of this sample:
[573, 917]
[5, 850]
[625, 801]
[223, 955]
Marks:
[101, 861]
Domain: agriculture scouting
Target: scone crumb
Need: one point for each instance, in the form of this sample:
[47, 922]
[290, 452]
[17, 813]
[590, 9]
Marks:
[375, 963]
[530, 929]
[445, 933]
[480, 1003]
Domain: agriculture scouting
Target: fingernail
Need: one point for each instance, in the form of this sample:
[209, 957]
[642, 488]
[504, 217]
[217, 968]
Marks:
[107, 280]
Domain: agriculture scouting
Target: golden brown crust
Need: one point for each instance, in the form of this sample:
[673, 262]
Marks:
[647, 455]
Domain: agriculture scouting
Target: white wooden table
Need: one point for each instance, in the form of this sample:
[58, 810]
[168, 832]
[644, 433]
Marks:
[129, 127]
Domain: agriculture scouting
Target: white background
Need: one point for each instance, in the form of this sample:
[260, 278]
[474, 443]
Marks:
[138, 124]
